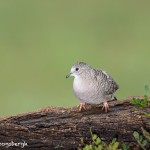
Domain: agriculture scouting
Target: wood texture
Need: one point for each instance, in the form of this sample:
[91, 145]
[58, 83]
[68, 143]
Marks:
[61, 128]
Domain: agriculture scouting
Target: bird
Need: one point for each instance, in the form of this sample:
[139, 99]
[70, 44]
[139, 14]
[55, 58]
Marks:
[92, 86]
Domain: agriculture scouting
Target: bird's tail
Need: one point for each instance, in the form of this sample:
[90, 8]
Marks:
[115, 98]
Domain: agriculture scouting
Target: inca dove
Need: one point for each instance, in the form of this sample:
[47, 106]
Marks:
[92, 86]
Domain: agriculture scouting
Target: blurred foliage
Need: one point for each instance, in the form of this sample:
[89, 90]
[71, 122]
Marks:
[145, 133]
[98, 144]
[140, 103]
[139, 138]
[41, 40]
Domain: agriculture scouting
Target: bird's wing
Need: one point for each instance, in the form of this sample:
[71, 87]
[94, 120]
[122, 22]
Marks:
[107, 83]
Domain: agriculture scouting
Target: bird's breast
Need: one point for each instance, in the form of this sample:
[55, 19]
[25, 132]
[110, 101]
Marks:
[87, 91]
[80, 85]
[83, 89]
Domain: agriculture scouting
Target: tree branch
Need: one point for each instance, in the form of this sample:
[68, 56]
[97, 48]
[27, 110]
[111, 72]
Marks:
[61, 128]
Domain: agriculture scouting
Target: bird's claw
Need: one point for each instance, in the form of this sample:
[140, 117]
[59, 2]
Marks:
[81, 106]
[105, 107]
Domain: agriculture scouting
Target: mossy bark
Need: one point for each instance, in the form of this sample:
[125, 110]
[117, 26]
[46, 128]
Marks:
[61, 128]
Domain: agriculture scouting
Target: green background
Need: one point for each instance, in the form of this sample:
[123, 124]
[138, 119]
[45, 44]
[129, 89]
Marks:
[41, 39]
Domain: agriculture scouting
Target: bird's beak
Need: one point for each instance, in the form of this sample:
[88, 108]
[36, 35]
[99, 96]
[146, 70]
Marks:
[68, 75]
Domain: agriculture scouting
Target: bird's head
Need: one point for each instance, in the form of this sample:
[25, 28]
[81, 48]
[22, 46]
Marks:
[79, 69]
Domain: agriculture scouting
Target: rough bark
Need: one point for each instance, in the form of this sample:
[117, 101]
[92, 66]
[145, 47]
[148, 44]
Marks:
[61, 128]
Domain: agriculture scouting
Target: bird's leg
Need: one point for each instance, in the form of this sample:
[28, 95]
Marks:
[105, 106]
[81, 106]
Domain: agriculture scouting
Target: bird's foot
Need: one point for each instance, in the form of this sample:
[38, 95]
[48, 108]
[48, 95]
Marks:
[81, 106]
[105, 106]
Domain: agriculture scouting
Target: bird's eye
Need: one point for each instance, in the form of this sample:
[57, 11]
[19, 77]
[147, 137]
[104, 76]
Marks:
[77, 69]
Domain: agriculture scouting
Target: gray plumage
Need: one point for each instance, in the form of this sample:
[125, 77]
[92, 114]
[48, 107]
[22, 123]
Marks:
[92, 86]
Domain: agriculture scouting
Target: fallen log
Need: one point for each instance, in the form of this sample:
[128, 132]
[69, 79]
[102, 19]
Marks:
[62, 128]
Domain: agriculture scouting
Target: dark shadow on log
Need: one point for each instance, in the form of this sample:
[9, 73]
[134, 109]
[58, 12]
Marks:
[61, 128]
